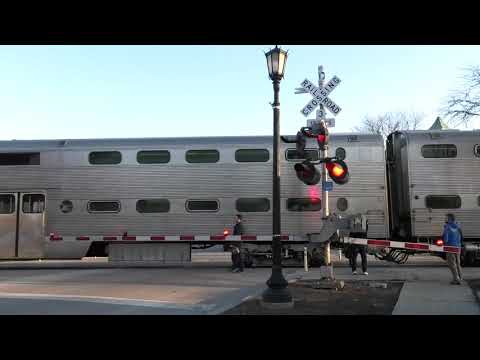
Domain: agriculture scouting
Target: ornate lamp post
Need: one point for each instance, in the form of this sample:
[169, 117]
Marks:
[277, 292]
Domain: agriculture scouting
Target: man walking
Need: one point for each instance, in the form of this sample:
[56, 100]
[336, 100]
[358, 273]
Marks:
[237, 256]
[452, 236]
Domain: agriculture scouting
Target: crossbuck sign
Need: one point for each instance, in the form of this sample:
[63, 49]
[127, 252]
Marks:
[320, 96]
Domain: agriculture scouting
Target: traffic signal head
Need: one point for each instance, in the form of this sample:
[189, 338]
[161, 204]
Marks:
[300, 144]
[338, 171]
[307, 173]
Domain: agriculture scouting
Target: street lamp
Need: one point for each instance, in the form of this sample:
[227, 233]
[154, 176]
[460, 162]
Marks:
[277, 292]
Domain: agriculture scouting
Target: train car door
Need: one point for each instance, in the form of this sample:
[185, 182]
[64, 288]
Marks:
[8, 224]
[22, 224]
[31, 225]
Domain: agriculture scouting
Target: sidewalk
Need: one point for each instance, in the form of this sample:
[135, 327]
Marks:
[426, 290]
[436, 298]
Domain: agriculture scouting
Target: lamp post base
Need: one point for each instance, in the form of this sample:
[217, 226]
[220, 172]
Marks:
[277, 298]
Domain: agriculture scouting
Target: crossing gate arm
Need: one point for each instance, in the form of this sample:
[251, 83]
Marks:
[401, 245]
[177, 238]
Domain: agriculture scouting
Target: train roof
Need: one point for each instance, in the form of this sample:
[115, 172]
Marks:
[450, 134]
[166, 141]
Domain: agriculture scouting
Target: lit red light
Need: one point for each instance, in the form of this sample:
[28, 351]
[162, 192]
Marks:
[321, 138]
[336, 169]
[439, 242]
[226, 232]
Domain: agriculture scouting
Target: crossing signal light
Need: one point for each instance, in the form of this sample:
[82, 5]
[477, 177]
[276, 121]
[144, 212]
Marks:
[338, 171]
[322, 138]
[307, 173]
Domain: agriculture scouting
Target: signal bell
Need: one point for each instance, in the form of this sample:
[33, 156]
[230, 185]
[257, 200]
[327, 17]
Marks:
[338, 171]
[307, 173]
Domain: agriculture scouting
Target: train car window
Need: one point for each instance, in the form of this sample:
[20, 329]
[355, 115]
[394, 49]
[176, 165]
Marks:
[33, 203]
[476, 150]
[66, 206]
[105, 157]
[153, 206]
[292, 155]
[304, 204]
[9, 159]
[439, 151]
[342, 204]
[253, 205]
[103, 206]
[443, 202]
[202, 205]
[202, 156]
[252, 155]
[153, 157]
[7, 204]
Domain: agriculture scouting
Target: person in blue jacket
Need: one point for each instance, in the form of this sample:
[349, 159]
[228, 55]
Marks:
[452, 236]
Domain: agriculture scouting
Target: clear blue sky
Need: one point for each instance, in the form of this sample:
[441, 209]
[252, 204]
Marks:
[53, 92]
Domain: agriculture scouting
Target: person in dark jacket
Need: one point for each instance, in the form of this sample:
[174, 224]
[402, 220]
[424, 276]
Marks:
[362, 250]
[452, 236]
[237, 256]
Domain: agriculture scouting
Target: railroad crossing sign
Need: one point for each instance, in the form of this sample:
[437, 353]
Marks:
[320, 96]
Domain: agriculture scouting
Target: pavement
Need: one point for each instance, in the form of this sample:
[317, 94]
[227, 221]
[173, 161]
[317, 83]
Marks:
[426, 289]
[204, 287]
[436, 298]
[92, 286]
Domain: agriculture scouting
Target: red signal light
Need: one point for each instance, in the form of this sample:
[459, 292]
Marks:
[338, 171]
[226, 232]
[439, 242]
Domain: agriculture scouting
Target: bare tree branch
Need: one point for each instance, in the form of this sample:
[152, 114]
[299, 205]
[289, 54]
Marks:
[463, 105]
[385, 124]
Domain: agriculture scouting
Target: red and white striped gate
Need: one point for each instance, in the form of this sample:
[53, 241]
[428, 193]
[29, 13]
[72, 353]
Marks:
[404, 245]
[260, 238]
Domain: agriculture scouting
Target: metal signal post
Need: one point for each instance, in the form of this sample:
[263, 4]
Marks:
[324, 150]
[340, 176]
[323, 155]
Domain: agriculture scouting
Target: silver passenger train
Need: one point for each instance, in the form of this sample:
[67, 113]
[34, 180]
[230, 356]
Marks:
[173, 186]
[431, 173]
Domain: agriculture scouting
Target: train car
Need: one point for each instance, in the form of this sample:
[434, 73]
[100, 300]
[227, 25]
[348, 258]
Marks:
[430, 174]
[80, 189]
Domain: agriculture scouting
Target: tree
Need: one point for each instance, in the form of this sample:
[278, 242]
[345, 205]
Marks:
[385, 124]
[463, 105]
